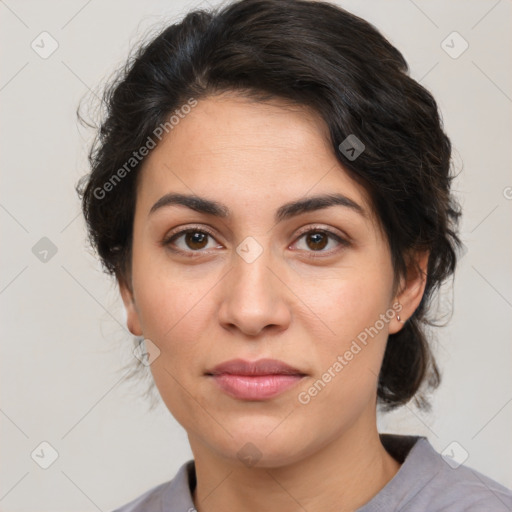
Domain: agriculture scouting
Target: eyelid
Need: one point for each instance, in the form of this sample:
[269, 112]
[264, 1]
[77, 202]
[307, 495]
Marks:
[327, 229]
[343, 241]
[180, 231]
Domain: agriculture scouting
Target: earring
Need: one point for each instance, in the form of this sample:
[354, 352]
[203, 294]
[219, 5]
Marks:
[398, 317]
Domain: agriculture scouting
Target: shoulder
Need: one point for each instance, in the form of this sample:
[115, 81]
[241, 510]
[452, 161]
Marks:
[150, 500]
[439, 482]
[430, 482]
[168, 496]
[464, 488]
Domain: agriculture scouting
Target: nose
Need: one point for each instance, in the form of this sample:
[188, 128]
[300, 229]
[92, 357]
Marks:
[254, 297]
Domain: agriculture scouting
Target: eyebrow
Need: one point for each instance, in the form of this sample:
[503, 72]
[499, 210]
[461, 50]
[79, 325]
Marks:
[286, 211]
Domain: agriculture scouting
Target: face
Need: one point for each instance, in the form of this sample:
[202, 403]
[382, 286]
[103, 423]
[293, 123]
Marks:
[300, 285]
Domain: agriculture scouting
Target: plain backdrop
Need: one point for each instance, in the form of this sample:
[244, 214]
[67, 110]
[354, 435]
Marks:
[63, 335]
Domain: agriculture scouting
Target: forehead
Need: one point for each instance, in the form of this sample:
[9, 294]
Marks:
[231, 146]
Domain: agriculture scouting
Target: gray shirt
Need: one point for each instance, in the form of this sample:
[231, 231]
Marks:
[426, 482]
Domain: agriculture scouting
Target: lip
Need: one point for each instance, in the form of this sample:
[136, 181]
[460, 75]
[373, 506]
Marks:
[257, 380]
[253, 368]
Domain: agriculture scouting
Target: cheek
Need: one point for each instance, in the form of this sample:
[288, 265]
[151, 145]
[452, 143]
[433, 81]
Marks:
[350, 354]
[347, 304]
[170, 312]
[347, 377]
[174, 317]
[172, 303]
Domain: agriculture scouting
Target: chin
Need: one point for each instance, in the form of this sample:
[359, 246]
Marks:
[262, 446]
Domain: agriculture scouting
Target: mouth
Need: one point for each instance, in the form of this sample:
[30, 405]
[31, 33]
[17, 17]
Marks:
[258, 380]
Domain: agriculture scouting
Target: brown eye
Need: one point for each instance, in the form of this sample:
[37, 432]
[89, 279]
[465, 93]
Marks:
[317, 240]
[196, 239]
[188, 241]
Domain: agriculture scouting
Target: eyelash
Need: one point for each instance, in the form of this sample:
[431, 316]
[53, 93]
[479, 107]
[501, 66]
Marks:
[312, 254]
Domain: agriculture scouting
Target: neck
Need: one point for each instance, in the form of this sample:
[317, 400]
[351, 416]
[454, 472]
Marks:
[349, 471]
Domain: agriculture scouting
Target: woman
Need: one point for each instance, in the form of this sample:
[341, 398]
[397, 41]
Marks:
[272, 193]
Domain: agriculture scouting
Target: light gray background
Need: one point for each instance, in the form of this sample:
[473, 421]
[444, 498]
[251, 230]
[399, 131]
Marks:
[62, 336]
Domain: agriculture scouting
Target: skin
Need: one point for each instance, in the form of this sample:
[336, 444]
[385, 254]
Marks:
[201, 311]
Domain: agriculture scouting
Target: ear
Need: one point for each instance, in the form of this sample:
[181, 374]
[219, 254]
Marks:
[132, 315]
[411, 290]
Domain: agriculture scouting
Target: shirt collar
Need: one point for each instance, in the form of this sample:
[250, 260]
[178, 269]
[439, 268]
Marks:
[418, 458]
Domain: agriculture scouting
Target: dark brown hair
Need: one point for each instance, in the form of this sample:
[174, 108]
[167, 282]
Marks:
[312, 54]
